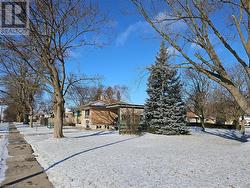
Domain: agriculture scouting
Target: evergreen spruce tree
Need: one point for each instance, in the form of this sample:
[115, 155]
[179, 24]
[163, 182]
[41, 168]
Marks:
[164, 110]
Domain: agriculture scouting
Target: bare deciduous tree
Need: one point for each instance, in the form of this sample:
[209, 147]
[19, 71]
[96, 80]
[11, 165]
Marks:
[223, 106]
[198, 91]
[20, 87]
[56, 28]
[208, 36]
[81, 94]
[113, 94]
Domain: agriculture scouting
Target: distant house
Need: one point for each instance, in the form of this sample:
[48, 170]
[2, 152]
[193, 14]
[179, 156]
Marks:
[247, 118]
[210, 119]
[69, 117]
[191, 117]
[45, 118]
[103, 115]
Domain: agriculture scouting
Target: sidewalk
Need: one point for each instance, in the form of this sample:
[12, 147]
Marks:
[23, 169]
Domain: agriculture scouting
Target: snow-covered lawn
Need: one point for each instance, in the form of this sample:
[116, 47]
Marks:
[105, 159]
[4, 129]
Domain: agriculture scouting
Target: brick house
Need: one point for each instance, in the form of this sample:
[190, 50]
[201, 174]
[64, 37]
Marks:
[103, 115]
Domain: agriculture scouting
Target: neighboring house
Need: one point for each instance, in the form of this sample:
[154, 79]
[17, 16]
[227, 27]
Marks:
[103, 115]
[69, 117]
[211, 120]
[247, 118]
[45, 118]
[191, 117]
[48, 118]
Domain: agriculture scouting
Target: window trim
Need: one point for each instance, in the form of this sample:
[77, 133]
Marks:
[85, 115]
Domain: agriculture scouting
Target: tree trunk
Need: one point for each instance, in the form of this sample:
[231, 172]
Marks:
[19, 117]
[239, 98]
[58, 116]
[25, 118]
[31, 120]
[31, 116]
[242, 129]
[203, 124]
[202, 120]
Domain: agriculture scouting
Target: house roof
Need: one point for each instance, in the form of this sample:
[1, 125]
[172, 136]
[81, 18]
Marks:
[192, 115]
[124, 105]
[105, 104]
[98, 103]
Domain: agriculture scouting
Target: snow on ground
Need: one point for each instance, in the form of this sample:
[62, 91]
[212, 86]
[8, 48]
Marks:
[4, 130]
[218, 158]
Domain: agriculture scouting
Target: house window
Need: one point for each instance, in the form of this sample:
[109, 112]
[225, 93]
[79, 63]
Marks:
[77, 113]
[141, 118]
[87, 113]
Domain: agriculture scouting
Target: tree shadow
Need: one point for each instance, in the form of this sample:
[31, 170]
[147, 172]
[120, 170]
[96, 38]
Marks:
[88, 150]
[22, 125]
[65, 159]
[4, 132]
[231, 135]
[100, 133]
[46, 133]
[4, 129]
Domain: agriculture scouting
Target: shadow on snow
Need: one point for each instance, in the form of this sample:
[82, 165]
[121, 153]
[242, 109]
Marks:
[100, 133]
[67, 158]
[231, 135]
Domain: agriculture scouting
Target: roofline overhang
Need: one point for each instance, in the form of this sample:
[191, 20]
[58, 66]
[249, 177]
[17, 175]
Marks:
[125, 106]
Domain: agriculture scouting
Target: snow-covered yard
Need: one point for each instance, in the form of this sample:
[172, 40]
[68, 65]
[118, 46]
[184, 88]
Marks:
[105, 159]
[4, 129]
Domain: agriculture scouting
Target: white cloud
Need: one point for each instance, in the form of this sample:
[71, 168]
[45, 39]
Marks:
[195, 46]
[143, 28]
[168, 23]
[172, 51]
[72, 53]
[138, 28]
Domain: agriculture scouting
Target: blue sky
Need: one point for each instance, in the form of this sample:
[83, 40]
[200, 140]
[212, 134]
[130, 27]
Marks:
[123, 61]
[133, 48]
